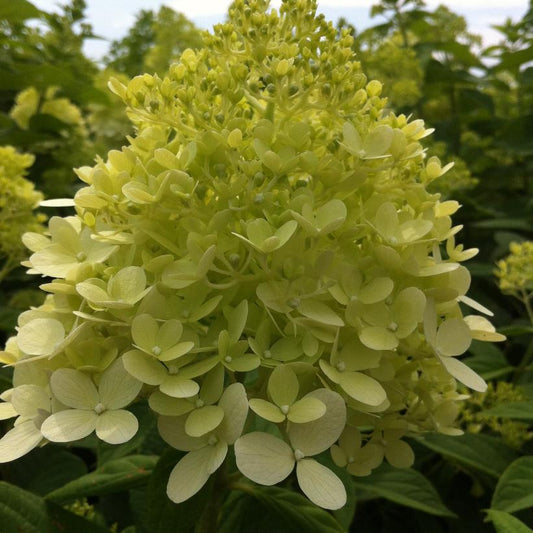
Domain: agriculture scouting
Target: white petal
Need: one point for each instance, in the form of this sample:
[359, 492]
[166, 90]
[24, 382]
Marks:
[117, 387]
[464, 374]
[74, 389]
[235, 405]
[7, 411]
[192, 472]
[116, 427]
[57, 202]
[172, 430]
[314, 437]
[320, 484]
[69, 425]
[19, 441]
[40, 336]
[28, 399]
[264, 458]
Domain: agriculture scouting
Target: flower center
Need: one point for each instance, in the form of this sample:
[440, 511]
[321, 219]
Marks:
[298, 454]
[99, 408]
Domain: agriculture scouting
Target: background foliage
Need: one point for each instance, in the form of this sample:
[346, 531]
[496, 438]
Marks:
[55, 106]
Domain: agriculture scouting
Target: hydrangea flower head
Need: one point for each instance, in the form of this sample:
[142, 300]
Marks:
[265, 260]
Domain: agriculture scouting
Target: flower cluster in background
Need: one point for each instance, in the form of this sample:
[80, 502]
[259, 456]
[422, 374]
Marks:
[18, 201]
[263, 262]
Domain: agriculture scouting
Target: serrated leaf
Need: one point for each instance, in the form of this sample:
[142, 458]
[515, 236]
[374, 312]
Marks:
[507, 523]
[480, 452]
[404, 486]
[21, 511]
[269, 509]
[514, 410]
[114, 476]
[514, 490]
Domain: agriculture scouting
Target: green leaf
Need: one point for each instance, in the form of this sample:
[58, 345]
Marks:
[17, 10]
[46, 469]
[268, 509]
[21, 511]
[115, 476]
[514, 490]
[506, 523]
[403, 486]
[64, 521]
[515, 410]
[480, 452]
[162, 514]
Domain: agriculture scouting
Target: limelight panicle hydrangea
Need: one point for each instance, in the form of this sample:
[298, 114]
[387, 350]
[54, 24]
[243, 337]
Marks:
[264, 250]
[18, 201]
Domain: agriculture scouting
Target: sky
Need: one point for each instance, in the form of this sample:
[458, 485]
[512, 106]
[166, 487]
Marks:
[111, 19]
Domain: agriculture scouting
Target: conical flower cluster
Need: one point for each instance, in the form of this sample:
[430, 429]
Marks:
[263, 263]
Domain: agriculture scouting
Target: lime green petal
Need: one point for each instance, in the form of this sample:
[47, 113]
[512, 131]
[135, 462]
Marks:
[320, 312]
[266, 410]
[258, 231]
[331, 216]
[169, 334]
[387, 220]
[330, 371]
[40, 336]
[264, 458]
[464, 374]
[399, 454]
[199, 369]
[69, 425]
[203, 420]
[116, 426]
[166, 405]
[314, 437]
[362, 388]
[117, 387]
[128, 284]
[176, 351]
[144, 367]
[74, 389]
[19, 441]
[412, 230]
[376, 290]
[339, 456]
[179, 387]
[245, 362]
[189, 475]
[378, 141]
[357, 356]
[283, 385]
[306, 410]
[286, 349]
[237, 321]
[172, 430]
[92, 292]
[28, 399]
[378, 338]
[482, 329]
[285, 232]
[235, 405]
[320, 484]
[453, 337]
[7, 411]
[144, 331]
[352, 140]
[212, 385]
[430, 322]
